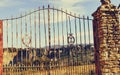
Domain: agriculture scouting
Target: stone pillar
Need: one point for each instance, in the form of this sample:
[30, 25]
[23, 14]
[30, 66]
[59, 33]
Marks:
[1, 46]
[106, 27]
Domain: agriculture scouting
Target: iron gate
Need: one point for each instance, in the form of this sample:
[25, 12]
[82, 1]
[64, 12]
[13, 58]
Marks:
[48, 41]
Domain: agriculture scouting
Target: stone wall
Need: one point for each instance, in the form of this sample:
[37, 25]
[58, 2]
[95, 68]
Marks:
[107, 39]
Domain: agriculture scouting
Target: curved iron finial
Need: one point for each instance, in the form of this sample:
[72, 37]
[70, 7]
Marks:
[105, 1]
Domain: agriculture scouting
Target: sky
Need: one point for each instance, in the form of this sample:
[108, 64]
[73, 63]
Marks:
[10, 8]
[14, 8]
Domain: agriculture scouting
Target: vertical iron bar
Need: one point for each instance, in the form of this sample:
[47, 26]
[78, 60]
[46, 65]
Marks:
[70, 23]
[70, 47]
[39, 33]
[49, 30]
[62, 26]
[35, 37]
[12, 36]
[62, 36]
[54, 33]
[7, 33]
[39, 30]
[84, 30]
[45, 31]
[80, 30]
[88, 41]
[31, 36]
[84, 40]
[44, 26]
[17, 42]
[76, 30]
[58, 36]
[54, 42]
[66, 25]
[7, 43]
[88, 29]
[25, 24]
[25, 39]
[35, 34]
[49, 34]
[76, 51]
[17, 37]
[81, 51]
[21, 40]
[67, 38]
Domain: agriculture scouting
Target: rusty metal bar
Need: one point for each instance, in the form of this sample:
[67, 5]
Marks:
[54, 38]
[49, 35]
[49, 30]
[1, 47]
[54, 30]
[88, 29]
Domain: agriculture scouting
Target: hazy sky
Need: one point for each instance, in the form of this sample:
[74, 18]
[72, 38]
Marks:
[10, 8]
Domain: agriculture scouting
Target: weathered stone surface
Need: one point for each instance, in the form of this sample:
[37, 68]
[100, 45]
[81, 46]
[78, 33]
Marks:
[105, 70]
[108, 32]
[115, 70]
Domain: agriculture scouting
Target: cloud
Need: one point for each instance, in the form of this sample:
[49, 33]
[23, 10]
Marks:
[8, 3]
[69, 5]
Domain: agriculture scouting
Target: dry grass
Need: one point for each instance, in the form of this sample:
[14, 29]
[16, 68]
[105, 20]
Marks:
[72, 70]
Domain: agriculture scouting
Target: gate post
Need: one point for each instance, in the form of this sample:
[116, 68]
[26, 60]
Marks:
[106, 28]
[1, 46]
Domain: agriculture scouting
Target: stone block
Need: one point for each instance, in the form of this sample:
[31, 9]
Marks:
[105, 70]
[115, 70]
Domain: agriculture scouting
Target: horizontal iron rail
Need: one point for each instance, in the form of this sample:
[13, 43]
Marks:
[46, 9]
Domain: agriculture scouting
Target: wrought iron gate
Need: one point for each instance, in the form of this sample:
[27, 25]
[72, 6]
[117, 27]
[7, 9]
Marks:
[48, 41]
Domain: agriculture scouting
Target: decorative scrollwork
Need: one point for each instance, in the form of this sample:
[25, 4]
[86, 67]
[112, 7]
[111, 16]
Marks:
[71, 39]
[26, 40]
